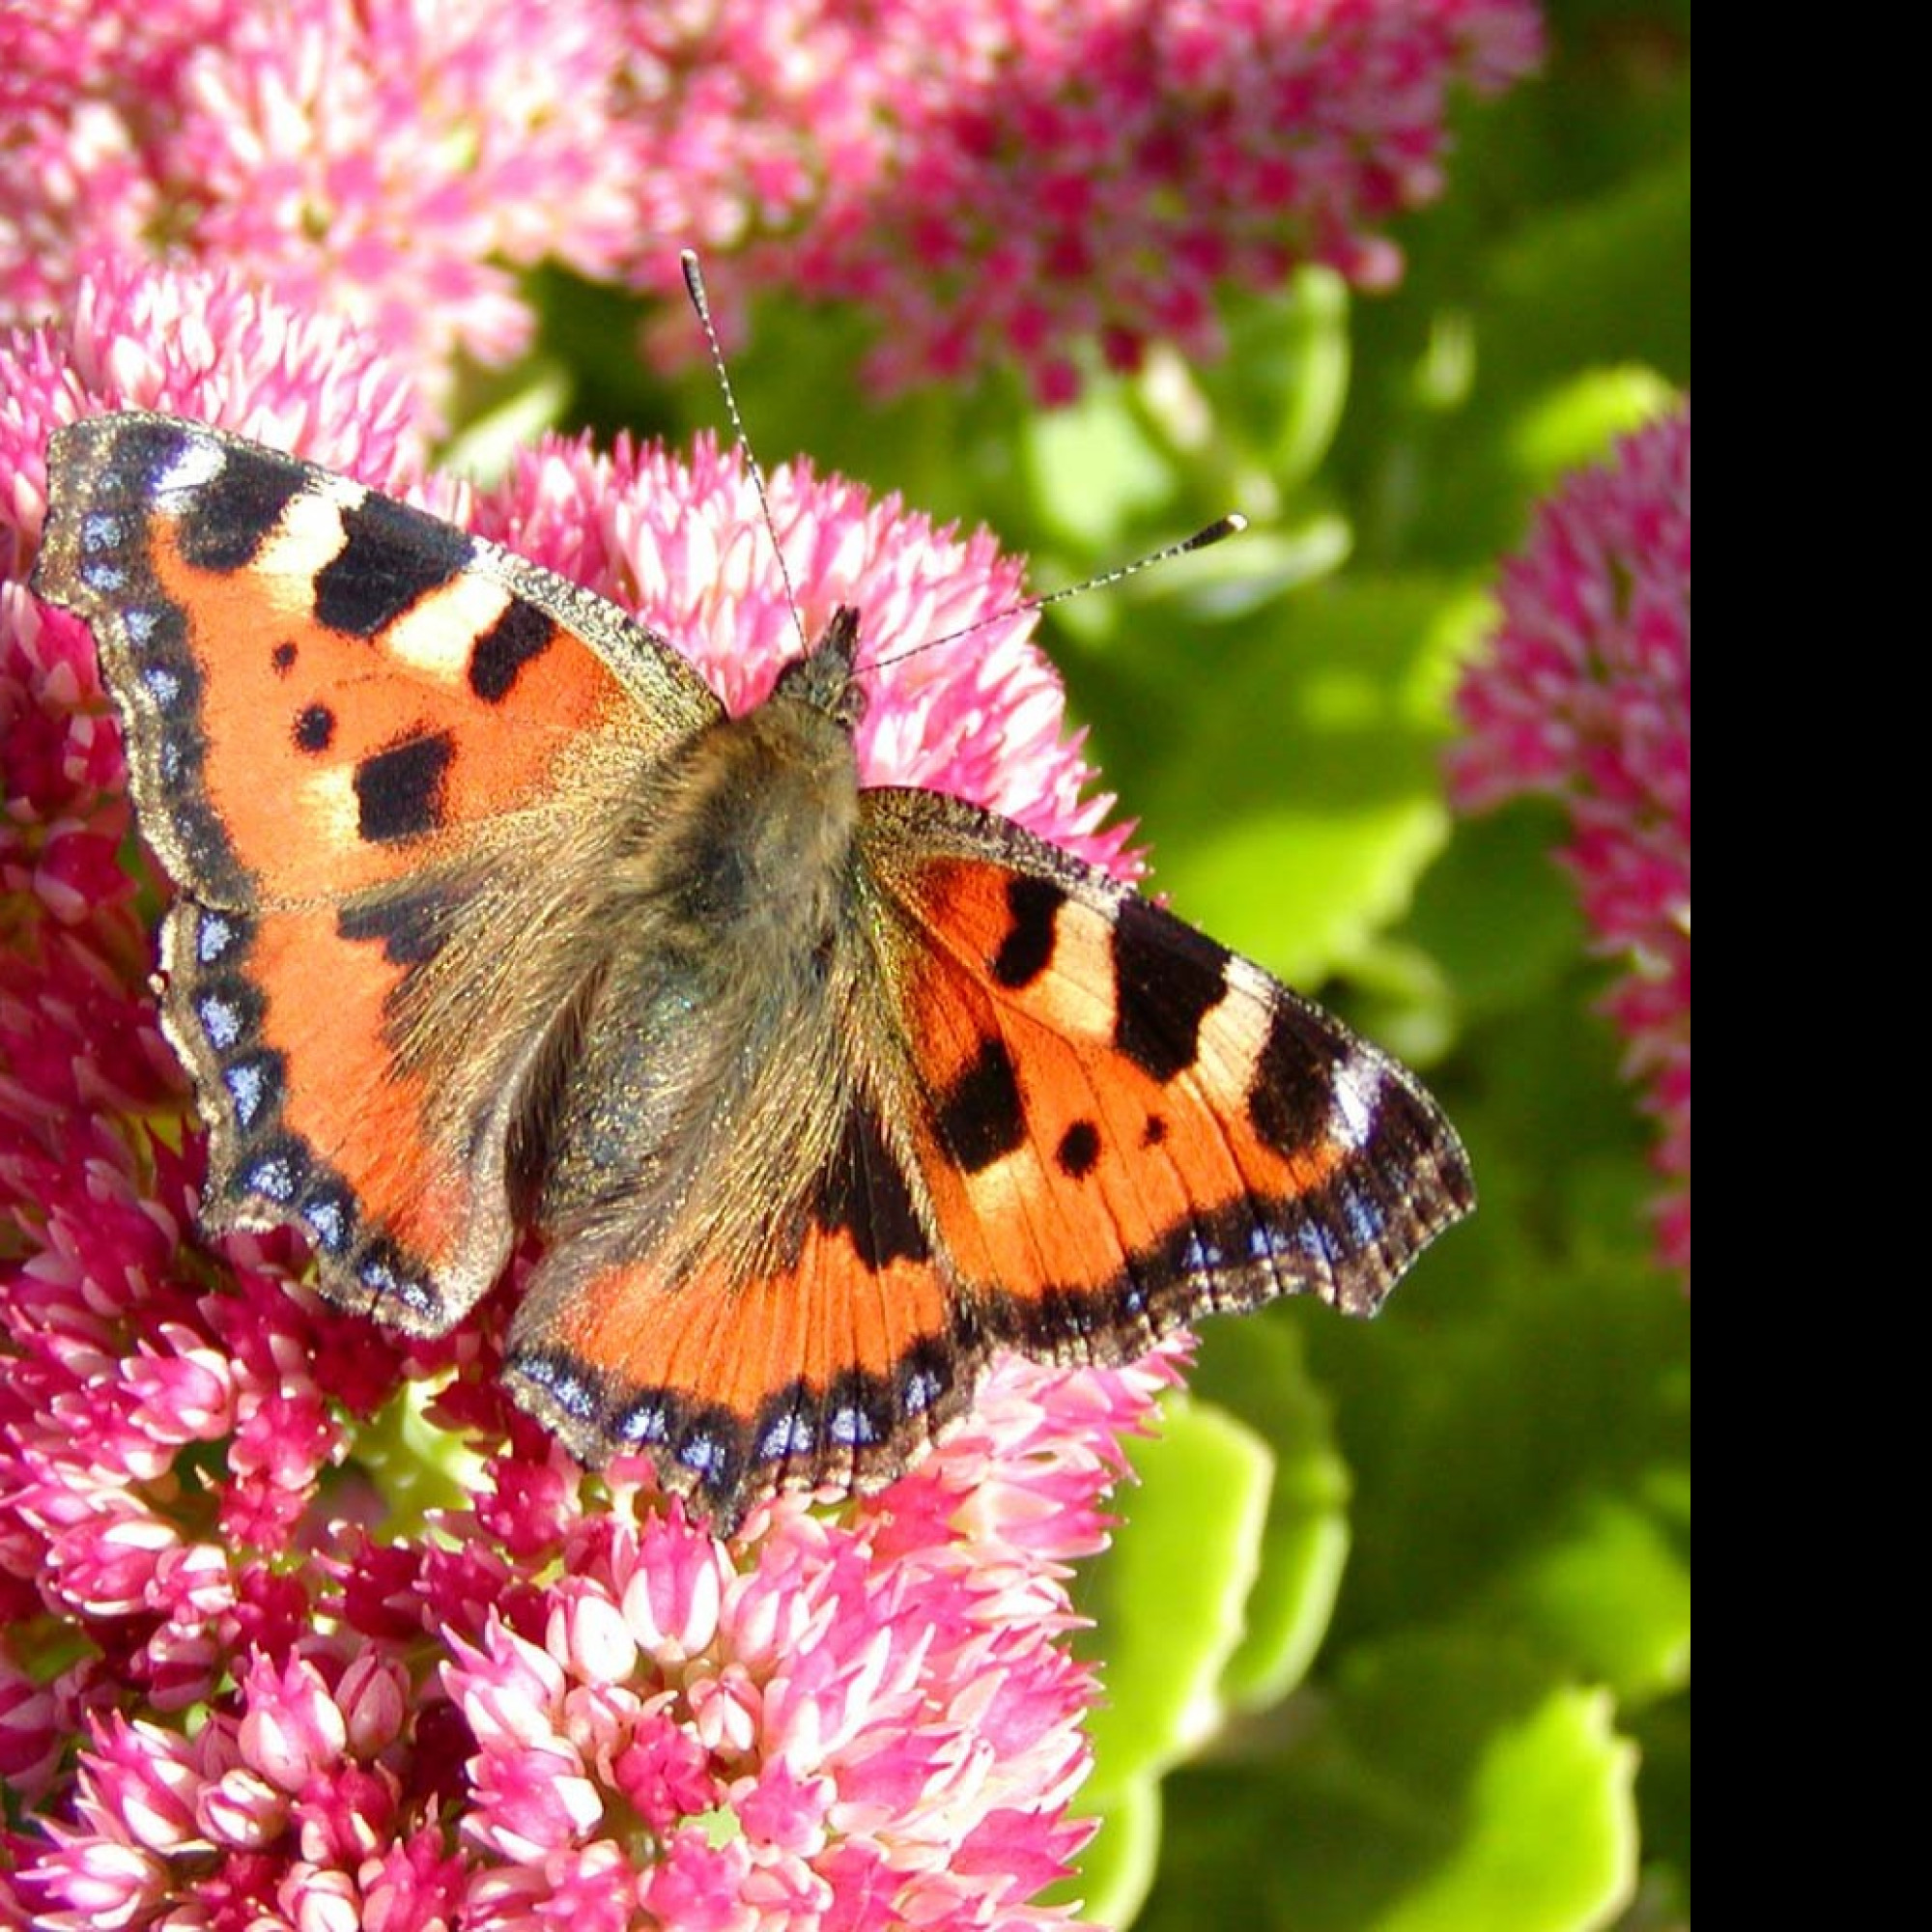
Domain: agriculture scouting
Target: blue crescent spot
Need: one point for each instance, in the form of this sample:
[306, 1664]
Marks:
[647, 1421]
[412, 1292]
[1200, 1257]
[213, 937]
[701, 1453]
[220, 1019]
[851, 1425]
[273, 1178]
[790, 1435]
[569, 1391]
[1363, 1214]
[921, 1390]
[328, 1224]
[248, 1087]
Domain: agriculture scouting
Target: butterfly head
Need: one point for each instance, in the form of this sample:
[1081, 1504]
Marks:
[823, 676]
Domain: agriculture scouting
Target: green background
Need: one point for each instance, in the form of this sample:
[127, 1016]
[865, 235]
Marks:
[1396, 1630]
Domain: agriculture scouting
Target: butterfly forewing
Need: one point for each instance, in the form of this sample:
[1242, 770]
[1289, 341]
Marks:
[1122, 1124]
[345, 720]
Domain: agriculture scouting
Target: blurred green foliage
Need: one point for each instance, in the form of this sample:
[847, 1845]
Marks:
[1396, 1629]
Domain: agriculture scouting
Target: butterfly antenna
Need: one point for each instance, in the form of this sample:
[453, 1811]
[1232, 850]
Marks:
[1220, 530]
[694, 283]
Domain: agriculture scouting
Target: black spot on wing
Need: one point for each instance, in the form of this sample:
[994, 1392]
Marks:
[1079, 1150]
[228, 518]
[1294, 1095]
[866, 1196]
[391, 555]
[1168, 979]
[981, 1116]
[399, 792]
[1027, 950]
[522, 632]
[410, 925]
[315, 728]
[283, 658]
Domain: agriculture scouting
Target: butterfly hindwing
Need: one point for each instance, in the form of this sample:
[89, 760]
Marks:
[833, 1366]
[355, 734]
[407, 1224]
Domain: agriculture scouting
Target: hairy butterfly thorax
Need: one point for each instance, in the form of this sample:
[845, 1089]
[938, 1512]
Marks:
[490, 922]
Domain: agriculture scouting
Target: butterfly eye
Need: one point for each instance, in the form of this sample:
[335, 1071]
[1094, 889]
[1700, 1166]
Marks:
[848, 707]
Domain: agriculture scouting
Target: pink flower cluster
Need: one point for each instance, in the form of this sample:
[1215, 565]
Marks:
[1585, 696]
[304, 1626]
[1008, 183]
[997, 181]
[392, 165]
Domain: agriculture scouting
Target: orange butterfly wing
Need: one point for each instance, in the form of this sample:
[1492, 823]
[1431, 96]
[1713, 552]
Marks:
[834, 1369]
[1080, 1125]
[341, 714]
[1123, 1125]
[391, 767]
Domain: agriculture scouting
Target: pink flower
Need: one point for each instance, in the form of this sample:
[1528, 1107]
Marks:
[682, 543]
[391, 163]
[994, 183]
[254, 1673]
[30, 1739]
[1005, 185]
[1585, 696]
[834, 1703]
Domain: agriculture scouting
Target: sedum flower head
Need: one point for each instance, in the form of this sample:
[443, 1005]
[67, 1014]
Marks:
[390, 164]
[997, 182]
[1008, 183]
[307, 1625]
[1584, 696]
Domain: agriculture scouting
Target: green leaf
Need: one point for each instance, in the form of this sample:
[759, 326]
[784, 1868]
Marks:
[1094, 470]
[1299, 799]
[1520, 1407]
[1259, 1372]
[1450, 1784]
[489, 441]
[1611, 1590]
[1599, 282]
[1577, 421]
[1116, 1871]
[1496, 912]
[1333, 880]
[1169, 1598]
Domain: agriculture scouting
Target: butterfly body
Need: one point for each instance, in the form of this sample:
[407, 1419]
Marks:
[694, 970]
[492, 922]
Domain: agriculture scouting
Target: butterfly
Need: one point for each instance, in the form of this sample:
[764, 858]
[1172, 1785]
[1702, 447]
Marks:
[491, 922]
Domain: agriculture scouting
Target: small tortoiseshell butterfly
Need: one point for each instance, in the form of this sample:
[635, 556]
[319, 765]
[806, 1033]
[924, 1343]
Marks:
[491, 921]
